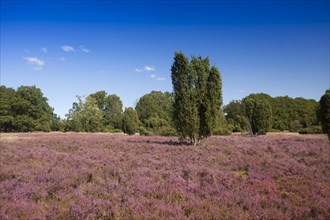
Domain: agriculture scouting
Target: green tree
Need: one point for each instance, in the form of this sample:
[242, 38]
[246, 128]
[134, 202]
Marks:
[197, 97]
[85, 116]
[73, 122]
[283, 113]
[258, 112]
[112, 108]
[182, 107]
[155, 111]
[55, 122]
[36, 106]
[7, 100]
[306, 111]
[25, 109]
[262, 117]
[130, 121]
[91, 116]
[113, 111]
[214, 101]
[235, 116]
[100, 99]
[324, 112]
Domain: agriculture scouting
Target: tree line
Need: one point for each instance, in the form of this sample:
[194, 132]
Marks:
[260, 113]
[193, 110]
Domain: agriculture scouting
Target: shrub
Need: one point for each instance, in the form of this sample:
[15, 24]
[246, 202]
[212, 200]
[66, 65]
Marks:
[130, 121]
[167, 131]
[311, 130]
[143, 131]
[222, 131]
[295, 126]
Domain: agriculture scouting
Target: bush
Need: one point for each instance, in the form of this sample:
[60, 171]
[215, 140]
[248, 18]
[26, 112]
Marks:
[107, 129]
[222, 131]
[167, 131]
[130, 121]
[311, 130]
[143, 131]
[116, 130]
[295, 126]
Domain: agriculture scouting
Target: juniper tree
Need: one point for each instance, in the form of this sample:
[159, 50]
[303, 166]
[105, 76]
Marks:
[197, 97]
[182, 108]
[258, 114]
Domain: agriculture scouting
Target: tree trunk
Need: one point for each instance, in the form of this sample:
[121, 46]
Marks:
[194, 140]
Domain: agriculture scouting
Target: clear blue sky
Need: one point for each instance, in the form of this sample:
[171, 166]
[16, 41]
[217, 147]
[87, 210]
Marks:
[77, 47]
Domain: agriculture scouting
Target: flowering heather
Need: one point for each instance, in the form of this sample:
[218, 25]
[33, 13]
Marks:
[103, 176]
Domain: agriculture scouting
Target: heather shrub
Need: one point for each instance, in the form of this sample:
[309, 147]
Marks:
[100, 176]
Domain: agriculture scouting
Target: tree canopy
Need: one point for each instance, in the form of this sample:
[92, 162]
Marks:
[98, 112]
[25, 109]
[155, 112]
[288, 113]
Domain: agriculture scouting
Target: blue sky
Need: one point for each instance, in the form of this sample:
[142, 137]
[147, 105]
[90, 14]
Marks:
[77, 47]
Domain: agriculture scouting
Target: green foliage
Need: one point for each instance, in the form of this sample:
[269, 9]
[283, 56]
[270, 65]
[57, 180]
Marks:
[286, 110]
[100, 99]
[182, 108]
[91, 116]
[143, 131]
[99, 112]
[113, 111]
[25, 109]
[306, 111]
[130, 121]
[235, 116]
[262, 117]
[197, 97]
[85, 116]
[167, 131]
[311, 130]
[112, 108]
[324, 112]
[24, 123]
[258, 112]
[155, 110]
[55, 122]
[295, 126]
[288, 113]
[222, 127]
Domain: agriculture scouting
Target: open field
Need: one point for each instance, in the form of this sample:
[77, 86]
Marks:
[103, 176]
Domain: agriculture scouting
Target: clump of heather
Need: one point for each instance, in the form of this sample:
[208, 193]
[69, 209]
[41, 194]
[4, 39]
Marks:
[102, 176]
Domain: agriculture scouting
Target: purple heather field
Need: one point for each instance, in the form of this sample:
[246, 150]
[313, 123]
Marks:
[107, 176]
